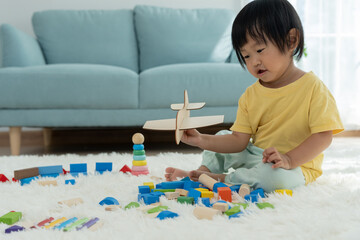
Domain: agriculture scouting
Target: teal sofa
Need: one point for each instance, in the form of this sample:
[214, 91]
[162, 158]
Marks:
[117, 68]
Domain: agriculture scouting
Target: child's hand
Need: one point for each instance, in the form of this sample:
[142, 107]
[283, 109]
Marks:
[191, 137]
[272, 155]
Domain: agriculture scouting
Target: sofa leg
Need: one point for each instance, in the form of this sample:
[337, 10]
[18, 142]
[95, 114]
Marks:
[47, 137]
[15, 140]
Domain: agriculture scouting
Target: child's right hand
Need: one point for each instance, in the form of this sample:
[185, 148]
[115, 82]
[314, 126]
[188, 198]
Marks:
[191, 137]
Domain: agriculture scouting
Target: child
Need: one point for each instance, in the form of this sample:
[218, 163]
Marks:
[288, 115]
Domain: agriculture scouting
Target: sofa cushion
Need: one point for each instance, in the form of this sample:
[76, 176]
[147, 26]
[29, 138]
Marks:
[88, 36]
[170, 36]
[217, 84]
[69, 86]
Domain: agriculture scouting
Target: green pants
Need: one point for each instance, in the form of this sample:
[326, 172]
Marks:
[250, 169]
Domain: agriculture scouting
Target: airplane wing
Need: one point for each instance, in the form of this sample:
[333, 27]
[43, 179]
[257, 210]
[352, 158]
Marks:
[164, 124]
[191, 106]
[197, 122]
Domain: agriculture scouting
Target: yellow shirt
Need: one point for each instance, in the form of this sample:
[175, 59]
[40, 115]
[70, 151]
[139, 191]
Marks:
[284, 117]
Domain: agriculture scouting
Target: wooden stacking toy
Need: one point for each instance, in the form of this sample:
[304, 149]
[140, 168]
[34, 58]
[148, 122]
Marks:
[139, 158]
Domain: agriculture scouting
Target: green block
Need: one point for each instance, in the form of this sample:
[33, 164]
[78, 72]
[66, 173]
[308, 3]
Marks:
[164, 190]
[158, 209]
[233, 210]
[187, 200]
[265, 205]
[75, 224]
[139, 152]
[10, 218]
[132, 205]
[244, 205]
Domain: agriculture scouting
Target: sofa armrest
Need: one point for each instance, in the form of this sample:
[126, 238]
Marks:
[18, 49]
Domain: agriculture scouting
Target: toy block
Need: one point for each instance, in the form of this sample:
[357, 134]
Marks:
[236, 215]
[232, 210]
[218, 185]
[65, 172]
[25, 181]
[186, 200]
[207, 194]
[191, 184]
[42, 223]
[207, 181]
[48, 183]
[125, 169]
[195, 194]
[224, 193]
[10, 218]
[241, 205]
[3, 178]
[96, 226]
[186, 179]
[172, 195]
[244, 190]
[150, 184]
[50, 171]
[182, 192]
[139, 157]
[109, 201]
[145, 208]
[56, 222]
[223, 207]
[159, 193]
[205, 201]
[14, 180]
[144, 189]
[235, 188]
[14, 228]
[284, 191]
[75, 224]
[163, 190]
[172, 185]
[254, 198]
[150, 198]
[66, 223]
[70, 181]
[78, 168]
[139, 168]
[138, 152]
[138, 147]
[264, 205]
[26, 173]
[101, 167]
[258, 191]
[112, 208]
[139, 173]
[132, 205]
[88, 224]
[205, 213]
[157, 209]
[166, 214]
[72, 202]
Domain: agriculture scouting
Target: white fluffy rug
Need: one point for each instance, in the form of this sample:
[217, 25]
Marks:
[327, 209]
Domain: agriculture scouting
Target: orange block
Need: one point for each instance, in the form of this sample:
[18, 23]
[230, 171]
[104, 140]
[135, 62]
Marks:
[224, 193]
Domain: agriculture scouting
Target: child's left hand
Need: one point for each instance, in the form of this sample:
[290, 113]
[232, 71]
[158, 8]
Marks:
[272, 155]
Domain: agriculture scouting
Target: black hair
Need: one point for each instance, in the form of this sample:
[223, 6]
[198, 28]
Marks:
[267, 19]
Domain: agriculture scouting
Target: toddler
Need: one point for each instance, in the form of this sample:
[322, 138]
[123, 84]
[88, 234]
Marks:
[285, 120]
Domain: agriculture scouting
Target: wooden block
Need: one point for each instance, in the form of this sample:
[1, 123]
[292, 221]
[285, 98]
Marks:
[172, 195]
[223, 207]
[224, 193]
[205, 213]
[48, 183]
[26, 173]
[244, 190]
[112, 207]
[284, 191]
[207, 194]
[150, 184]
[145, 208]
[96, 226]
[72, 202]
[207, 181]
[182, 192]
[152, 215]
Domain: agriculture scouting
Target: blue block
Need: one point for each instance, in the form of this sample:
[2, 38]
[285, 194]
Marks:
[101, 167]
[47, 171]
[70, 181]
[158, 193]
[78, 168]
[195, 194]
[76, 174]
[53, 175]
[158, 186]
[236, 215]
[235, 188]
[138, 147]
[172, 185]
[254, 198]
[206, 201]
[109, 201]
[167, 214]
[217, 185]
[259, 191]
[191, 184]
[150, 198]
[144, 189]
[14, 228]
[25, 181]
[67, 222]
[185, 179]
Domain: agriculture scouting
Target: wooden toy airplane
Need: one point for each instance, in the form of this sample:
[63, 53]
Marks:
[183, 120]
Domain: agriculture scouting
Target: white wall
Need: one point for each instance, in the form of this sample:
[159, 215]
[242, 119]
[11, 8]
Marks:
[18, 12]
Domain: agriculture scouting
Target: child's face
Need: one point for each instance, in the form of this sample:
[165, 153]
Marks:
[266, 62]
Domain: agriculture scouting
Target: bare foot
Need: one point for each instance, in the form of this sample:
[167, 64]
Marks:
[195, 174]
[171, 174]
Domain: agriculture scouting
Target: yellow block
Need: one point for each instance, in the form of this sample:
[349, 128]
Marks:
[56, 222]
[202, 189]
[150, 184]
[284, 191]
[139, 163]
[207, 194]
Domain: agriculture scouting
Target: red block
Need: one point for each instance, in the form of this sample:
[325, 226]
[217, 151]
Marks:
[65, 172]
[125, 169]
[224, 193]
[14, 180]
[3, 178]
